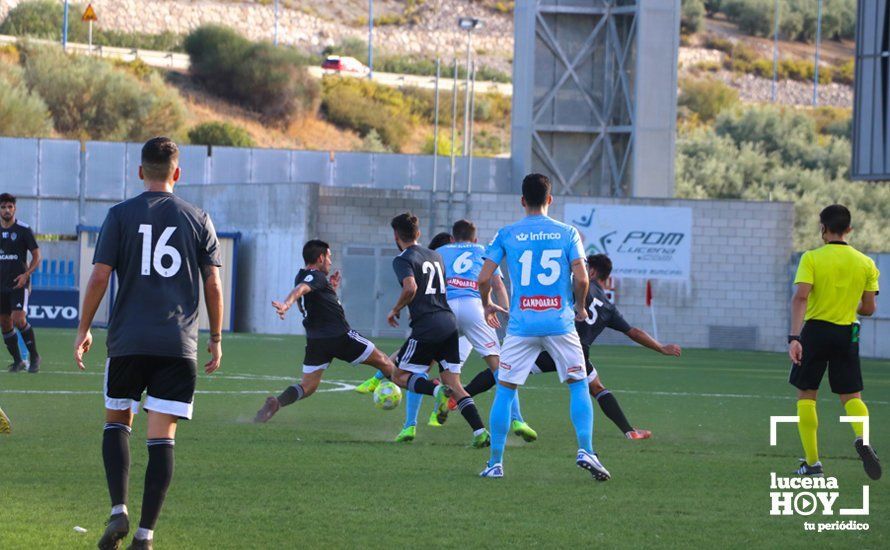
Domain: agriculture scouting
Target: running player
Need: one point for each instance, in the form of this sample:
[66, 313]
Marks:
[603, 313]
[834, 283]
[160, 247]
[546, 262]
[328, 335]
[434, 335]
[15, 284]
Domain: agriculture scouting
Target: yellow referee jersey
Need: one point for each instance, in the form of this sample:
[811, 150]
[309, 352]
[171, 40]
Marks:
[839, 274]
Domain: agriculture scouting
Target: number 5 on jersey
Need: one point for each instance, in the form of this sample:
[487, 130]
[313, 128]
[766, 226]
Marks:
[161, 250]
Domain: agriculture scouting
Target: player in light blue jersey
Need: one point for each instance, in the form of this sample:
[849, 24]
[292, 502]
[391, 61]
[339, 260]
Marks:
[549, 287]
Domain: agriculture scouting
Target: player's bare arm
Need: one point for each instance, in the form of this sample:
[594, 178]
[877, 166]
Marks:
[22, 280]
[868, 305]
[798, 309]
[580, 285]
[213, 299]
[298, 292]
[485, 286]
[409, 289]
[95, 291]
[644, 339]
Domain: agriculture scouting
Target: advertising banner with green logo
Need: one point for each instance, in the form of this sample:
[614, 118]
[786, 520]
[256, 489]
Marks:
[644, 242]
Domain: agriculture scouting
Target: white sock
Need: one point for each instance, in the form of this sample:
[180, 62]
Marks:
[119, 509]
[437, 390]
[479, 431]
[144, 534]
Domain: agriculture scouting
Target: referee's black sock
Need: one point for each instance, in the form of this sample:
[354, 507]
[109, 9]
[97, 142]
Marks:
[158, 475]
[291, 395]
[30, 341]
[467, 408]
[612, 409]
[116, 456]
[483, 382]
[419, 384]
[12, 344]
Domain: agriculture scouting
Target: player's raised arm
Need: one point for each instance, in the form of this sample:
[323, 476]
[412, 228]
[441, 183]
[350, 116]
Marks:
[298, 292]
[96, 287]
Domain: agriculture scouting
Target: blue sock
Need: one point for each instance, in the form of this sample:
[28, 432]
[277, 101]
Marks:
[499, 422]
[581, 409]
[515, 411]
[412, 405]
[379, 375]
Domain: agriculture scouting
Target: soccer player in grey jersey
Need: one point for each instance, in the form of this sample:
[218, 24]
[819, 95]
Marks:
[434, 336]
[161, 249]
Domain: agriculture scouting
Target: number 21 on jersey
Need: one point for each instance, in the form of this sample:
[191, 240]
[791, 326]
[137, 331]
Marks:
[162, 249]
[433, 271]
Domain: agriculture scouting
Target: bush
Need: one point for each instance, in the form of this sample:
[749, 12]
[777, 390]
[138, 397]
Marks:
[707, 97]
[43, 19]
[373, 144]
[88, 99]
[797, 19]
[223, 134]
[444, 144]
[22, 113]
[845, 73]
[712, 7]
[362, 106]
[268, 80]
[692, 16]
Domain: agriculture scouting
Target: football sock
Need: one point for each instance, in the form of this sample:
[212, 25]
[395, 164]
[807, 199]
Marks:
[467, 408]
[116, 456]
[144, 534]
[412, 406]
[855, 407]
[30, 341]
[581, 410]
[420, 384]
[158, 475]
[119, 509]
[515, 411]
[482, 382]
[807, 425]
[499, 422]
[612, 409]
[291, 395]
[11, 340]
[379, 375]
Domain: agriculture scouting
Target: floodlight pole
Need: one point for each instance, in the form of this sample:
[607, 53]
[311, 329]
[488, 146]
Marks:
[453, 122]
[370, 39]
[775, 52]
[472, 119]
[436, 127]
[65, 27]
[816, 63]
[467, 94]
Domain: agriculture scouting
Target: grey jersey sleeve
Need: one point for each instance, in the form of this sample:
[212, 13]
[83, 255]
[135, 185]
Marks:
[208, 250]
[403, 268]
[108, 244]
[617, 322]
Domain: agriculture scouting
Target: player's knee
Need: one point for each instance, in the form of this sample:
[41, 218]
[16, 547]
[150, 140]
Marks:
[848, 396]
[596, 387]
[6, 325]
[20, 321]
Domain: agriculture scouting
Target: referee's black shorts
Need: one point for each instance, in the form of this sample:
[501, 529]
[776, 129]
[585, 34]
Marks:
[835, 347]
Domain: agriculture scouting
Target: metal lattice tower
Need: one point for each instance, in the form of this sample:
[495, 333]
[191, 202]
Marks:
[582, 89]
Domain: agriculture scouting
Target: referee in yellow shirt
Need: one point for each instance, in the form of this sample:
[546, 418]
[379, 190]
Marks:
[834, 283]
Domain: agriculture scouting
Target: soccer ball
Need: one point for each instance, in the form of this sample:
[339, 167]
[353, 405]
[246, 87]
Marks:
[387, 396]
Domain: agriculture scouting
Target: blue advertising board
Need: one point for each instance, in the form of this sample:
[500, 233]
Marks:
[54, 308]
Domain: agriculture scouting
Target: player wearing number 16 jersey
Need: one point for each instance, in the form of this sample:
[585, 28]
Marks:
[549, 287]
[161, 248]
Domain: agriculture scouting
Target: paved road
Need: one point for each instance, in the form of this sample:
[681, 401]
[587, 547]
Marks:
[180, 62]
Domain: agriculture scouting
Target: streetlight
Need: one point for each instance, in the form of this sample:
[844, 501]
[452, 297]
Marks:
[468, 24]
[65, 27]
[371, 39]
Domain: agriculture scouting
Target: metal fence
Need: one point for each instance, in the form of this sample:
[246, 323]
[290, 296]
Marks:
[63, 184]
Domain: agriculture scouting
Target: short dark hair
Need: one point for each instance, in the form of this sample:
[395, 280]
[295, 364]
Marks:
[6, 197]
[160, 157]
[313, 250]
[406, 226]
[440, 240]
[836, 218]
[601, 264]
[463, 230]
[535, 189]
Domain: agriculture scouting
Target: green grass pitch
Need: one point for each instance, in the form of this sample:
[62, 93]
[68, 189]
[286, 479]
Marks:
[324, 472]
